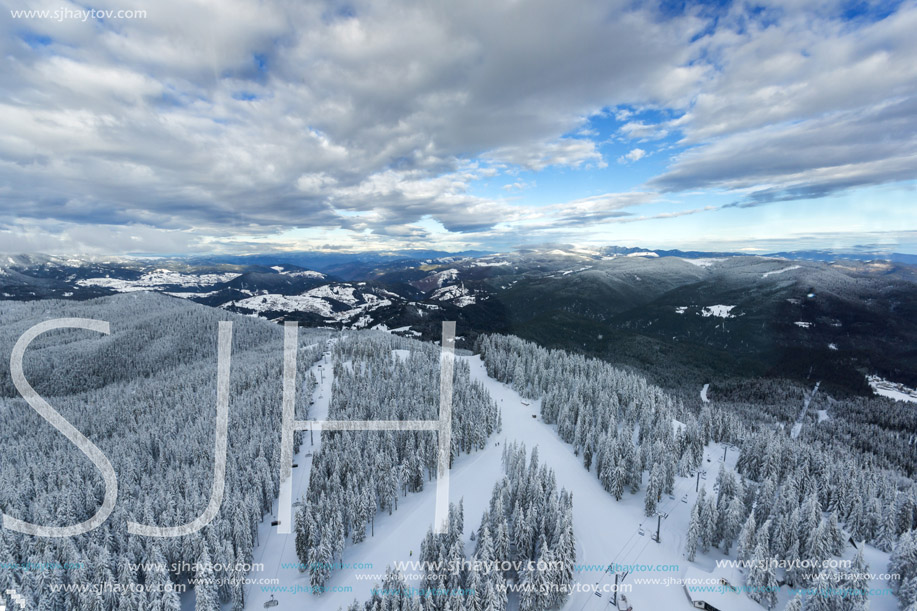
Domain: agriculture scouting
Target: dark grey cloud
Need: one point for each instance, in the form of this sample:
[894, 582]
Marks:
[804, 160]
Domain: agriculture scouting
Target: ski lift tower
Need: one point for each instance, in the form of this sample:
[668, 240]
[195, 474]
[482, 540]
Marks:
[660, 517]
[615, 592]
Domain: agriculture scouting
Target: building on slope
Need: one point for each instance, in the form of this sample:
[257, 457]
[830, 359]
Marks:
[717, 590]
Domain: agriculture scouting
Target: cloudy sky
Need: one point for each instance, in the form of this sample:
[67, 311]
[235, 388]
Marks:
[240, 126]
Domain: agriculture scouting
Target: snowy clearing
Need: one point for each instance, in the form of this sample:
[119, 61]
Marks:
[158, 278]
[780, 271]
[720, 311]
[457, 294]
[892, 390]
[705, 262]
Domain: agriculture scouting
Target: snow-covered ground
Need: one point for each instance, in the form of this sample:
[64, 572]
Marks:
[457, 294]
[720, 311]
[447, 275]
[780, 271]
[275, 550]
[159, 278]
[318, 301]
[797, 427]
[607, 531]
[704, 262]
[306, 273]
[274, 302]
[703, 393]
[886, 388]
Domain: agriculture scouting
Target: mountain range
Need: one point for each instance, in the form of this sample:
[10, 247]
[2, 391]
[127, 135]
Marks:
[802, 316]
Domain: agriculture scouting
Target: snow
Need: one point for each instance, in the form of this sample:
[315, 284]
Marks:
[797, 427]
[472, 478]
[274, 549]
[643, 253]
[681, 309]
[574, 271]
[273, 302]
[822, 415]
[720, 311]
[192, 295]
[802, 323]
[342, 293]
[723, 601]
[832, 346]
[703, 393]
[159, 278]
[318, 301]
[780, 271]
[447, 275]
[704, 262]
[362, 322]
[892, 390]
[277, 268]
[387, 293]
[306, 273]
[458, 294]
[677, 426]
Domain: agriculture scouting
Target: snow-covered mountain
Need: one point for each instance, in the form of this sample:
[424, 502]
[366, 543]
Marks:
[773, 313]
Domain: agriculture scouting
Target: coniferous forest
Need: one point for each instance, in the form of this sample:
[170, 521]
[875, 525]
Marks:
[146, 395]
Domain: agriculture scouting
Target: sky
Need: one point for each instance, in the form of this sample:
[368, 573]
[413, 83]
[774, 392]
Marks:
[241, 126]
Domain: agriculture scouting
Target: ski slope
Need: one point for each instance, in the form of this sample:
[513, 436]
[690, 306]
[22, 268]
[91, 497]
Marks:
[607, 531]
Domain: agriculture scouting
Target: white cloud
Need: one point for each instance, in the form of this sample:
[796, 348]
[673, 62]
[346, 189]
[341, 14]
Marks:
[536, 156]
[634, 155]
[250, 117]
[314, 183]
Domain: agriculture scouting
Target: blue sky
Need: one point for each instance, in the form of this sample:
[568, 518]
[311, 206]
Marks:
[187, 127]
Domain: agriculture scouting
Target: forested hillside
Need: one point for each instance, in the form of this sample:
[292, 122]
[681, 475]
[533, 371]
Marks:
[792, 498]
[527, 527]
[146, 396]
[355, 473]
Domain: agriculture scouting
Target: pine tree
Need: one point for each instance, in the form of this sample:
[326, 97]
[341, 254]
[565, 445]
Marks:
[206, 598]
[762, 579]
[732, 523]
[694, 533]
[747, 539]
[794, 604]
